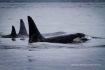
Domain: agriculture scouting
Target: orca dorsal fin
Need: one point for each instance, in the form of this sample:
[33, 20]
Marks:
[34, 34]
[13, 32]
[22, 30]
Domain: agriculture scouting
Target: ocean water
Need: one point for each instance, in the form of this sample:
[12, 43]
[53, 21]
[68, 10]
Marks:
[53, 19]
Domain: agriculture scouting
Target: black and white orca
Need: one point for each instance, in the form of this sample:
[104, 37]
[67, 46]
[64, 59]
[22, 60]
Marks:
[36, 36]
[12, 35]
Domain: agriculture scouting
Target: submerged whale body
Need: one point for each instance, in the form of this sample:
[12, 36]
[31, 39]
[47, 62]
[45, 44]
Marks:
[12, 35]
[36, 36]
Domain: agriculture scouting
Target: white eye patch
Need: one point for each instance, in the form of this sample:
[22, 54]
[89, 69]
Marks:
[77, 39]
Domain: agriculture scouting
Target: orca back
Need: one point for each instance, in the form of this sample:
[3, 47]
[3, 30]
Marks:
[13, 32]
[34, 34]
[12, 35]
[22, 30]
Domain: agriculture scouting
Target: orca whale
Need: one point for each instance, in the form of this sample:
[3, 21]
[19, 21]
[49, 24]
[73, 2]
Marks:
[12, 35]
[36, 36]
[22, 31]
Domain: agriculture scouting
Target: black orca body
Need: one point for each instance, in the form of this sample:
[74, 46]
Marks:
[12, 35]
[22, 31]
[35, 35]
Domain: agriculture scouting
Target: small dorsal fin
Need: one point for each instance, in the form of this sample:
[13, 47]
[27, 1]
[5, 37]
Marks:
[13, 32]
[34, 34]
[22, 30]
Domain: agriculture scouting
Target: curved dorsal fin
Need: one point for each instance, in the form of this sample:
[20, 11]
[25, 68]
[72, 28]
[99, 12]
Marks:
[13, 32]
[22, 30]
[34, 34]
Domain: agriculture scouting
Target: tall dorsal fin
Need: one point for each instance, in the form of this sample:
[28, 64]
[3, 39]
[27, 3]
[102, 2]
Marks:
[13, 32]
[34, 34]
[22, 30]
